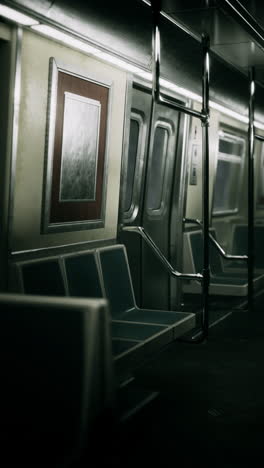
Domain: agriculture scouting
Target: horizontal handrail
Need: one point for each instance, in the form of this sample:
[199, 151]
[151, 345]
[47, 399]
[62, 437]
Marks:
[259, 137]
[214, 241]
[160, 99]
[184, 276]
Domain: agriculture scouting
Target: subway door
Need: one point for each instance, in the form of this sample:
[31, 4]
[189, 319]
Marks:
[136, 136]
[156, 205]
[157, 285]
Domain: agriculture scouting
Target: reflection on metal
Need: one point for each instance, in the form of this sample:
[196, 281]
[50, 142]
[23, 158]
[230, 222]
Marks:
[214, 241]
[184, 276]
[251, 144]
[79, 148]
[204, 116]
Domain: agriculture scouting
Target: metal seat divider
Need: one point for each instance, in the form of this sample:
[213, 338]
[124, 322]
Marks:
[157, 98]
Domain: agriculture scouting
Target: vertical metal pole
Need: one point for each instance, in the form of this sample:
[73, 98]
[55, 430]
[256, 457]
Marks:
[205, 143]
[251, 142]
[156, 6]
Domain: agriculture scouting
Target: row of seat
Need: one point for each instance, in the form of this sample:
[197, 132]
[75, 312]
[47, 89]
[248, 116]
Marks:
[105, 272]
[228, 280]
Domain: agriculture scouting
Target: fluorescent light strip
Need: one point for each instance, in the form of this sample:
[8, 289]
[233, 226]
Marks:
[16, 16]
[84, 47]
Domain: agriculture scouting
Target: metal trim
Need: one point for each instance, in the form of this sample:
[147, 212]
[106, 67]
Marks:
[14, 132]
[131, 214]
[125, 149]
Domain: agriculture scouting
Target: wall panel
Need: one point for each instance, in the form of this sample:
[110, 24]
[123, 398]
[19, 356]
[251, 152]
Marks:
[36, 52]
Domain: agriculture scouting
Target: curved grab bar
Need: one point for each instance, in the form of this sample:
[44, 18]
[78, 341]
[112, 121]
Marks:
[141, 231]
[214, 241]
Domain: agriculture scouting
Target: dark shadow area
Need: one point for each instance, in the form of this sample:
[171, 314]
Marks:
[210, 409]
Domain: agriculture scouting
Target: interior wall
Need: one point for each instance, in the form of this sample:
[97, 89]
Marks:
[36, 52]
[194, 203]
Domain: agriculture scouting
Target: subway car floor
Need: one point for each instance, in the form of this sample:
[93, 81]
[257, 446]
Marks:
[210, 405]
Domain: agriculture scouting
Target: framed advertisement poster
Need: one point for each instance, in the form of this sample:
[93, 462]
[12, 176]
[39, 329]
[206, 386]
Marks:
[76, 151]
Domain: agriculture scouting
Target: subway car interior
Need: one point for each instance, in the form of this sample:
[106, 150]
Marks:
[132, 315]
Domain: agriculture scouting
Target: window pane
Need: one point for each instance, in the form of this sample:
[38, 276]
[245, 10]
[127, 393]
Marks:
[229, 165]
[155, 183]
[131, 165]
[226, 186]
[230, 146]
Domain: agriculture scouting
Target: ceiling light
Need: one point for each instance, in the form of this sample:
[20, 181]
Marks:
[84, 47]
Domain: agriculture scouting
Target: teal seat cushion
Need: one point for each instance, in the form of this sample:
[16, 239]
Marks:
[117, 282]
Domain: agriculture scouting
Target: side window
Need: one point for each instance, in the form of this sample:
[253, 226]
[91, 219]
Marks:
[134, 164]
[230, 160]
[155, 186]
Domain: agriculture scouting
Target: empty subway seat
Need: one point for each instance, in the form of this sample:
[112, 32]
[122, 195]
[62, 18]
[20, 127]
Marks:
[82, 274]
[42, 276]
[105, 273]
[142, 330]
[222, 282]
[56, 377]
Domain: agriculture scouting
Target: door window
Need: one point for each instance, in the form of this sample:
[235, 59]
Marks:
[231, 151]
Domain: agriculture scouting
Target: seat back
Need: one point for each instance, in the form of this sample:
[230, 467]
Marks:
[240, 239]
[55, 380]
[82, 275]
[41, 276]
[196, 243]
[116, 278]
[216, 263]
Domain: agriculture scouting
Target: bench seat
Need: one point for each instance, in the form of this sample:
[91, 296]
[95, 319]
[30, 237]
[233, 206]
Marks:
[222, 281]
[105, 273]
